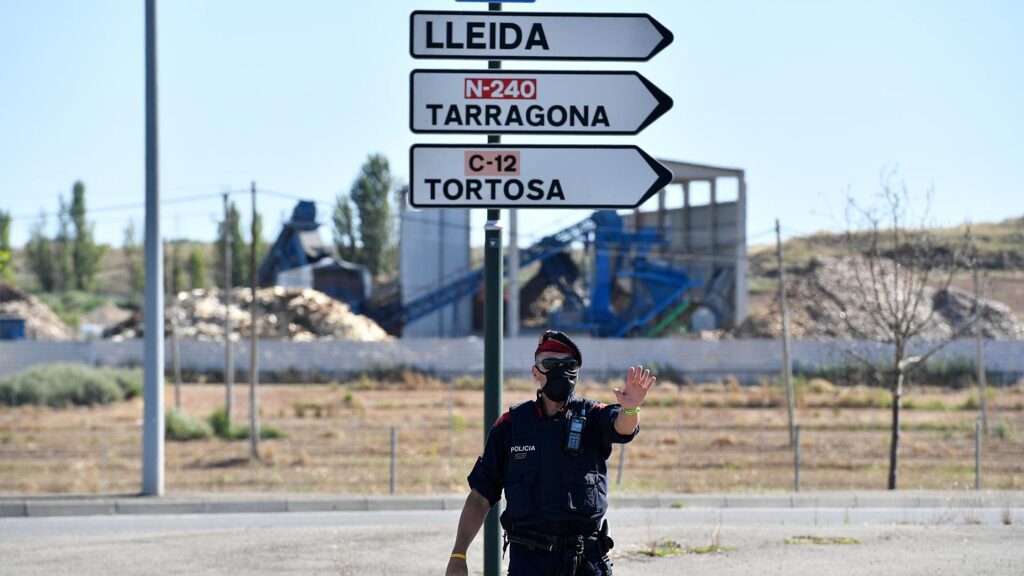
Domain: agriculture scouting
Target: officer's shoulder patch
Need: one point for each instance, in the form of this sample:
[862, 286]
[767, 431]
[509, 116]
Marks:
[501, 420]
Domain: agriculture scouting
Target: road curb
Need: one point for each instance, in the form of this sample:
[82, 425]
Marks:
[46, 506]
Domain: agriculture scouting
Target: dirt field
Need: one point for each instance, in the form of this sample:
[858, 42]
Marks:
[701, 438]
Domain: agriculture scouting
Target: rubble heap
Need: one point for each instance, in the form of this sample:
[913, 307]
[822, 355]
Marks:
[41, 323]
[823, 303]
[299, 314]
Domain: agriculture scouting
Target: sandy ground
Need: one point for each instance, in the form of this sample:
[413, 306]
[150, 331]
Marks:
[714, 438]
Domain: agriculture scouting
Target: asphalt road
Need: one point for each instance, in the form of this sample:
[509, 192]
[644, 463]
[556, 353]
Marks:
[893, 541]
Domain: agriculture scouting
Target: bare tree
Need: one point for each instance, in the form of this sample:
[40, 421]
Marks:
[898, 269]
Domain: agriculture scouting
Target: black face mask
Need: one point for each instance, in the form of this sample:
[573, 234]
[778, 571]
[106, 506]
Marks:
[560, 384]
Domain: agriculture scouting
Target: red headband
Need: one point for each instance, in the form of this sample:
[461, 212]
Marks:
[552, 345]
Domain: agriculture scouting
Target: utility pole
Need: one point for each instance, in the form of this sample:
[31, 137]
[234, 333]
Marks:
[153, 368]
[979, 340]
[254, 344]
[229, 353]
[493, 343]
[787, 364]
[175, 347]
[175, 353]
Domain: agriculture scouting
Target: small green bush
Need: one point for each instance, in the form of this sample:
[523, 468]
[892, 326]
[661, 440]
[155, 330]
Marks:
[266, 433]
[971, 403]
[184, 427]
[63, 385]
[467, 382]
[219, 423]
[223, 429]
[1005, 431]
[128, 379]
[458, 422]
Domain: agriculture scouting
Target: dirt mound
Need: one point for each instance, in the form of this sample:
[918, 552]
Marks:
[107, 314]
[41, 323]
[284, 313]
[823, 303]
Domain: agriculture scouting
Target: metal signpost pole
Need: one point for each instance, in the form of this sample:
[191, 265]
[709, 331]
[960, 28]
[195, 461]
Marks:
[493, 342]
[229, 358]
[153, 372]
[787, 364]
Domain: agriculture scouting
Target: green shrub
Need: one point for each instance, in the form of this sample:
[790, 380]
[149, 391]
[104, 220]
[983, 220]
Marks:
[1005, 431]
[184, 427]
[223, 429]
[128, 379]
[971, 403]
[266, 433]
[458, 422]
[63, 385]
[467, 382]
[219, 423]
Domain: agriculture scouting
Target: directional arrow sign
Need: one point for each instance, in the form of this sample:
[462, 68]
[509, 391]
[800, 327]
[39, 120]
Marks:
[536, 36]
[533, 176]
[533, 102]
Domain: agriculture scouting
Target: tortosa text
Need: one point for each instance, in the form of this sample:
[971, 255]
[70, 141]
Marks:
[494, 189]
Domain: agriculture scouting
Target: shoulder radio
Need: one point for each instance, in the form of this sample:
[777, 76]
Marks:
[574, 431]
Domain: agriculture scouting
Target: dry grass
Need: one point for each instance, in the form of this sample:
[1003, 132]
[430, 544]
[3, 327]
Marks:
[703, 438]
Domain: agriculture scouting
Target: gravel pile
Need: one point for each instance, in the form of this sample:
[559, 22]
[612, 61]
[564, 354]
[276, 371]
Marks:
[41, 323]
[284, 313]
[824, 303]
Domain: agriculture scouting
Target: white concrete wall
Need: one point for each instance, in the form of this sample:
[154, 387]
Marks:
[745, 359]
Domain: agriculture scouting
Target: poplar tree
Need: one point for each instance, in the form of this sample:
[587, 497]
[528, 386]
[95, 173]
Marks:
[85, 253]
[371, 193]
[6, 264]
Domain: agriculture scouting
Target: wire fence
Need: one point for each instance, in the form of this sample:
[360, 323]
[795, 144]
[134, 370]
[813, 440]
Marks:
[408, 440]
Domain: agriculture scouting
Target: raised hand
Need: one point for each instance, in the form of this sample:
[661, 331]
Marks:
[638, 382]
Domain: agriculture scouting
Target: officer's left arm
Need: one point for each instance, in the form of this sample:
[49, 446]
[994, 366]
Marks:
[630, 396]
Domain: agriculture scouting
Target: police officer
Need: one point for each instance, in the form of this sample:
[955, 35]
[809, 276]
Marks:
[550, 455]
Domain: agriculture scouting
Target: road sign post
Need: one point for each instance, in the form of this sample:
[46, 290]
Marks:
[533, 102]
[533, 176]
[536, 36]
[494, 343]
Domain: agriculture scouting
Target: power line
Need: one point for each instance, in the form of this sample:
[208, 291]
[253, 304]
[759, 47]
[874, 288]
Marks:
[133, 206]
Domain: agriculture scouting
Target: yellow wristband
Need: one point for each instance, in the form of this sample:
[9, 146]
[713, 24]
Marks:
[459, 556]
[632, 411]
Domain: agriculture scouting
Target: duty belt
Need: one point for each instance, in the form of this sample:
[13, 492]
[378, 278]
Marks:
[551, 543]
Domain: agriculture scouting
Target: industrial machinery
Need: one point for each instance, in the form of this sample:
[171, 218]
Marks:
[299, 258]
[626, 292]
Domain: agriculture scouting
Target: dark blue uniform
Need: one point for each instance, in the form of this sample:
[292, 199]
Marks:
[547, 490]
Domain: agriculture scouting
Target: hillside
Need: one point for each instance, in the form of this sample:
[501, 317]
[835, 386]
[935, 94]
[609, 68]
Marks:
[1000, 245]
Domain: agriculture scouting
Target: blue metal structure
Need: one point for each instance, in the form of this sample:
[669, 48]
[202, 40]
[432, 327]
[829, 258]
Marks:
[299, 245]
[618, 256]
[12, 328]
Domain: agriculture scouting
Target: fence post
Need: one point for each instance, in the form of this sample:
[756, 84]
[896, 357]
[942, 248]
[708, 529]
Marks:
[796, 458]
[622, 462]
[977, 454]
[394, 450]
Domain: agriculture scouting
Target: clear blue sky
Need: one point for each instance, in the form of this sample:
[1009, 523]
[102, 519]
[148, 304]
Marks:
[811, 98]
